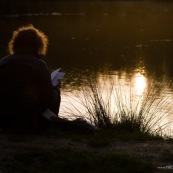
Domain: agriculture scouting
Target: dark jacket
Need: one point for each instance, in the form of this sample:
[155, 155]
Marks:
[25, 89]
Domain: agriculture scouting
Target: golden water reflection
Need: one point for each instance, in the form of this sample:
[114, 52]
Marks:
[140, 83]
[127, 91]
[108, 87]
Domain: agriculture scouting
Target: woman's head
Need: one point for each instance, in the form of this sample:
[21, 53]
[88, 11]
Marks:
[28, 38]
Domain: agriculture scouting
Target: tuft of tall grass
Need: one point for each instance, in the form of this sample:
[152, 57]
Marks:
[115, 106]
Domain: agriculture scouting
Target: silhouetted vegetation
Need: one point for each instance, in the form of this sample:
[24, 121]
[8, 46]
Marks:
[114, 107]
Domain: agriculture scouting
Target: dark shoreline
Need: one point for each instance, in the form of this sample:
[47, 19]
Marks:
[47, 6]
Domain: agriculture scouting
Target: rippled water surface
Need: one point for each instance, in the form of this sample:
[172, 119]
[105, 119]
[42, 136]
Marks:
[129, 42]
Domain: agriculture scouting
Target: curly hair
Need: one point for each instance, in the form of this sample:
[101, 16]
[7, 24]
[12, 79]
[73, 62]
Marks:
[28, 37]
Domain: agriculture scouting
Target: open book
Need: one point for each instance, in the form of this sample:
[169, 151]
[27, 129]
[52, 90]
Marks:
[56, 75]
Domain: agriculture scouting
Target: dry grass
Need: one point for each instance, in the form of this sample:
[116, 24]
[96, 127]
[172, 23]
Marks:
[113, 105]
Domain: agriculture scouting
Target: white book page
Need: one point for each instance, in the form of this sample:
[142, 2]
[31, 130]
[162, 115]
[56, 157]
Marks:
[56, 75]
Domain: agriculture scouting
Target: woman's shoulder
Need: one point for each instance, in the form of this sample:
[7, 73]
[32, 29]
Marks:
[6, 58]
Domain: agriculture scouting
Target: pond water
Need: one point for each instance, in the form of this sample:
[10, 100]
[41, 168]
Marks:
[130, 43]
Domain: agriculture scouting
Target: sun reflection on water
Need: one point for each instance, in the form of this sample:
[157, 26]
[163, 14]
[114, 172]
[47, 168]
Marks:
[109, 87]
[120, 92]
[140, 83]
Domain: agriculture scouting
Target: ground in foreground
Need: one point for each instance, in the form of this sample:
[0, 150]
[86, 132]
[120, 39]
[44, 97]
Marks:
[75, 153]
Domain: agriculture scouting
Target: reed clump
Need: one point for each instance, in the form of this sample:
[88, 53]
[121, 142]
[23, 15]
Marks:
[113, 106]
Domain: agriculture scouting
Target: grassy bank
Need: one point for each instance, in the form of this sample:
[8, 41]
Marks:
[70, 160]
[65, 152]
[130, 138]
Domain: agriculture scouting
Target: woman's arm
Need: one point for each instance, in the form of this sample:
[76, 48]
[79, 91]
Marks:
[49, 96]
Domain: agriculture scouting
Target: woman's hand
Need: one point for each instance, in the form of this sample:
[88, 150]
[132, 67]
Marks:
[58, 86]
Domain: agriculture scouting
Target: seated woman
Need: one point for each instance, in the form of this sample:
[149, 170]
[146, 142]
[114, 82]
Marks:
[28, 100]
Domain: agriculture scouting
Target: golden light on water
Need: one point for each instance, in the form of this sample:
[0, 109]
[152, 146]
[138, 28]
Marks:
[119, 95]
[140, 83]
